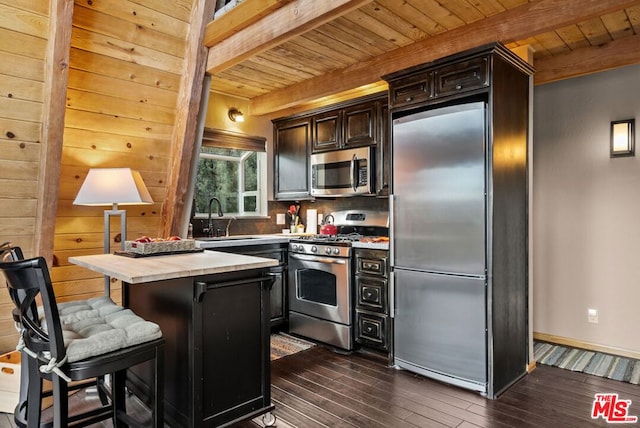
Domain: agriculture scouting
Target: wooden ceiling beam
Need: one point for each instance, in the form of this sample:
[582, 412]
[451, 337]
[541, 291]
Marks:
[239, 18]
[53, 112]
[587, 60]
[519, 23]
[179, 192]
[287, 22]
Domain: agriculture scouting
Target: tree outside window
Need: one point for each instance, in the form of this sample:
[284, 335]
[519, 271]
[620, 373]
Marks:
[234, 176]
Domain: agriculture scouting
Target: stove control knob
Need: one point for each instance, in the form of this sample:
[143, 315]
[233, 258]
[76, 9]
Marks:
[336, 251]
[328, 250]
[294, 247]
[314, 249]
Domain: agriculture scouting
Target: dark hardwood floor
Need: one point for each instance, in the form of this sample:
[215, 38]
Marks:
[321, 388]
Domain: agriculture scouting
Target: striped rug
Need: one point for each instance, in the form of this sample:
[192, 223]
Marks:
[589, 362]
[283, 344]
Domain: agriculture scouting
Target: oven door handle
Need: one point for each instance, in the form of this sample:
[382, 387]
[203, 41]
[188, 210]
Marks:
[335, 261]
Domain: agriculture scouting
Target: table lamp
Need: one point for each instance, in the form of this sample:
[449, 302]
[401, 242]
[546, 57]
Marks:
[113, 186]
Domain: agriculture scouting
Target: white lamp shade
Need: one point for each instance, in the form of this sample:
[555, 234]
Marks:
[108, 186]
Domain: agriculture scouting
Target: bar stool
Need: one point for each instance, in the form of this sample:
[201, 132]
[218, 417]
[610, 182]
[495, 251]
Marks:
[77, 341]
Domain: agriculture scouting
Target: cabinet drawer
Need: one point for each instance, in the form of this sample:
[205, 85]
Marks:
[372, 294]
[411, 90]
[371, 266]
[372, 330]
[461, 77]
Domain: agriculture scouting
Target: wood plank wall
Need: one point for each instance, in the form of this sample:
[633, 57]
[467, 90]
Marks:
[126, 61]
[125, 68]
[23, 45]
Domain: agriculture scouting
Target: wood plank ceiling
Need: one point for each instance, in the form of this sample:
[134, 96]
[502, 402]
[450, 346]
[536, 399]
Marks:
[285, 54]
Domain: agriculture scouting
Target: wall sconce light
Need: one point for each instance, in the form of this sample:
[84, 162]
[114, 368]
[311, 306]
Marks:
[622, 138]
[236, 115]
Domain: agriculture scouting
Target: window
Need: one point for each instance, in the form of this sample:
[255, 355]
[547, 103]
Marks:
[232, 167]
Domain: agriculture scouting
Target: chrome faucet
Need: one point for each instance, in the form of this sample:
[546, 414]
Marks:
[210, 221]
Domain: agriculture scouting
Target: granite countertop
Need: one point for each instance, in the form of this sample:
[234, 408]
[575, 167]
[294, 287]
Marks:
[371, 245]
[147, 269]
[242, 240]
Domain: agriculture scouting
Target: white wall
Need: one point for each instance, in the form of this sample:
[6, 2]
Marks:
[586, 211]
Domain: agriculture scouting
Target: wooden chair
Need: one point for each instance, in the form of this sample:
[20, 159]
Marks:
[84, 343]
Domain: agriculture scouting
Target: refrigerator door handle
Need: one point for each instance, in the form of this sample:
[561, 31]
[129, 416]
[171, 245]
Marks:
[392, 276]
[392, 200]
[392, 294]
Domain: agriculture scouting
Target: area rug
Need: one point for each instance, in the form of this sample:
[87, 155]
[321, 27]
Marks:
[590, 362]
[283, 344]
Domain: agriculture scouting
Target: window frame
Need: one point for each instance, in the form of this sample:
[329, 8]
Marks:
[251, 144]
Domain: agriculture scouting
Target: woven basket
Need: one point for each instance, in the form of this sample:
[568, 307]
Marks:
[159, 246]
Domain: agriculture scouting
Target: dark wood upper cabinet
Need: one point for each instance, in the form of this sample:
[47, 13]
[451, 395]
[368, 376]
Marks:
[356, 123]
[347, 127]
[327, 133]
[291, 169]
[461, 77]
[383, 152]
[360, 125]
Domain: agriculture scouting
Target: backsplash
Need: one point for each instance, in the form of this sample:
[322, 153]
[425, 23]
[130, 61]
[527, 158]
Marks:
[259, 226]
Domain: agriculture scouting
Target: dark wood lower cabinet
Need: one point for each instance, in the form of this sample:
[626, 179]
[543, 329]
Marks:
[217, 364]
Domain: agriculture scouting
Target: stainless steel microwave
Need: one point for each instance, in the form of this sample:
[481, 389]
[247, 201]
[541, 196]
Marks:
[347, 172]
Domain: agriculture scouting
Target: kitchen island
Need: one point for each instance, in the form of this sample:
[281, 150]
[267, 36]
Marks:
[212, 308]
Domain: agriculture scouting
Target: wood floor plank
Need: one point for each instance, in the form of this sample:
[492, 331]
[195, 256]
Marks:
[442, 407]
[548, 397]
[348, 408]
[303, 412]
[319, 388]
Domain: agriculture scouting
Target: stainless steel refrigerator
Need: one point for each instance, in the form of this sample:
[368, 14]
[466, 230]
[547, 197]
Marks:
[439, 244]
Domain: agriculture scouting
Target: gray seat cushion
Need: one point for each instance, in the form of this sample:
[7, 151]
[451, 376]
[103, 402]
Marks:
[96, 326]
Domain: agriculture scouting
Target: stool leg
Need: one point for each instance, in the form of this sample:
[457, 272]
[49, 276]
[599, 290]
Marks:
[34, 394]
[119, 397]
[60, 402]
[157, 403]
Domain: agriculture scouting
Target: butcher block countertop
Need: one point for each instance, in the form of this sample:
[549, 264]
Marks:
[147, 269]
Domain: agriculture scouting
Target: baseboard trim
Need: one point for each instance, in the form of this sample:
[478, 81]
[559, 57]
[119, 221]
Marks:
[559, 340]
[531, 366]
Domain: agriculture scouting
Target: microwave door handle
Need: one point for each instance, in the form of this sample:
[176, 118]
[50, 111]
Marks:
[354, 181]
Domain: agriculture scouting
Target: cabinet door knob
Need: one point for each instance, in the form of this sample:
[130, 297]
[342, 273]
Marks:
[458, 87]
[408, 99]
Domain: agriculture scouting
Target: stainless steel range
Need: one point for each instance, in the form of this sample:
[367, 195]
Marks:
[321, 295]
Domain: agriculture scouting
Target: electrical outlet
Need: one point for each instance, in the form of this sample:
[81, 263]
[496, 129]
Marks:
[592, 316]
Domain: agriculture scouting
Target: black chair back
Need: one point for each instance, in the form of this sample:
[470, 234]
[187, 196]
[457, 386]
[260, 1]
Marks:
[10, 253]
[26, 280]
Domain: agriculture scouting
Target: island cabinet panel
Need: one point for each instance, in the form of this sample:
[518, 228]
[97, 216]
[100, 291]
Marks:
[278, 295]
[217, 363]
